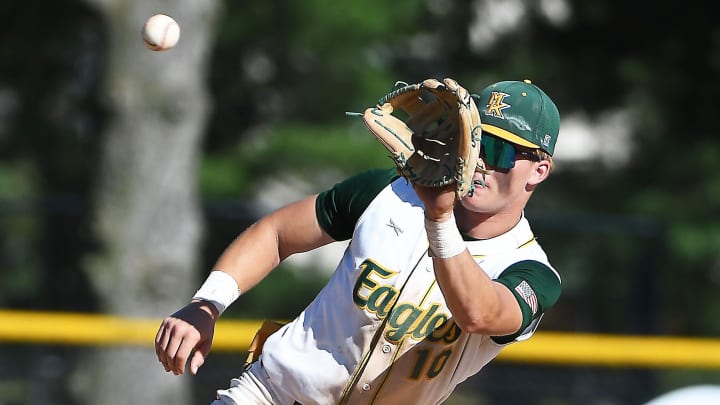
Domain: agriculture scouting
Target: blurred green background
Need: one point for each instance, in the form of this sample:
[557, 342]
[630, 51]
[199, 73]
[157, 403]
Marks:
[125, 172]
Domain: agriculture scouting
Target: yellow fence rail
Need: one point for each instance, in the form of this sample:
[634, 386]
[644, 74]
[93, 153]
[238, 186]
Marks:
[569, 349]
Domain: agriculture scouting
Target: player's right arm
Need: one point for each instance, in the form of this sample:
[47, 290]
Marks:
[302, 226]
[258, 250]
[248, 259]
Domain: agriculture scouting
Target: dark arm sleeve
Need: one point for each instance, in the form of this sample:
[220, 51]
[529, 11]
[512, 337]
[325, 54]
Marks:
[339, 208]
[536, 288]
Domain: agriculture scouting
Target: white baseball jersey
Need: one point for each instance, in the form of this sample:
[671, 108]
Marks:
[380, 331]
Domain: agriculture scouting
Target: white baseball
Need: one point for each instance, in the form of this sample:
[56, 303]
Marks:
[160, 32]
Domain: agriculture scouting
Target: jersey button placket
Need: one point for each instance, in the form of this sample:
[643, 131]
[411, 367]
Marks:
[386, 348]
[366, 387]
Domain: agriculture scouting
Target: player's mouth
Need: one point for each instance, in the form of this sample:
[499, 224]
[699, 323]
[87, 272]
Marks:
[479, 182]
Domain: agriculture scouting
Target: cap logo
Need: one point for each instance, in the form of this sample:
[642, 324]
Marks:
[497, 104]
[546, 140]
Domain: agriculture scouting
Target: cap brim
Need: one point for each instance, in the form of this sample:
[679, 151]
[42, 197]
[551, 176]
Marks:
[508, 136]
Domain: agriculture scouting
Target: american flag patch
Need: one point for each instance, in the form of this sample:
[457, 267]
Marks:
[528, 295]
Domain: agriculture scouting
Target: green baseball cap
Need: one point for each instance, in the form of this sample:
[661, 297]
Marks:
[520, 112]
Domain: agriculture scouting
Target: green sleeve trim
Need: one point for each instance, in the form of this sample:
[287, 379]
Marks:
[339, 208]
[544, 283]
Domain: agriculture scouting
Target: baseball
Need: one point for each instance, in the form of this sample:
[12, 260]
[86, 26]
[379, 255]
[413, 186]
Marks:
[160, 32]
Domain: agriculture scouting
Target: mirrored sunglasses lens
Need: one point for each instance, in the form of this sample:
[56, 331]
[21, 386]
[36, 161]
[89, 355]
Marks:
[498, 152]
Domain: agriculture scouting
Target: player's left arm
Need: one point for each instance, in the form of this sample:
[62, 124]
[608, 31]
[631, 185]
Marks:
[478, 304]
[504, 307]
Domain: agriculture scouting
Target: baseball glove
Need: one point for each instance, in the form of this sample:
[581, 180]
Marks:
[432, 130]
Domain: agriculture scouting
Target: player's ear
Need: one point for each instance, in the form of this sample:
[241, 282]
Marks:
[540, 171]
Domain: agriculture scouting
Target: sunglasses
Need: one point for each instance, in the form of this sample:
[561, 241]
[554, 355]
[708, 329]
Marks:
[501, 154]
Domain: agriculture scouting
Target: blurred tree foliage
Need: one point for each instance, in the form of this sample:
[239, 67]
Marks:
[283, 76]
[636, 243]
[50, 117]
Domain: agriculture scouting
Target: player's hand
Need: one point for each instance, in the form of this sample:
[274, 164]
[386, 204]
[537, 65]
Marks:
[187, 332]
[439, 201]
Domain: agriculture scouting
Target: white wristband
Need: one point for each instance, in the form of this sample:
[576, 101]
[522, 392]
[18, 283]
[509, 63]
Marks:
[220, 289]
[444, 238]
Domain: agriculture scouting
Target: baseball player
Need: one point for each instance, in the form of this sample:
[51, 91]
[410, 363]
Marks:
[429, 290]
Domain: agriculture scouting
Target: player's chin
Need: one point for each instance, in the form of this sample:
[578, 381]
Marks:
[477, 203]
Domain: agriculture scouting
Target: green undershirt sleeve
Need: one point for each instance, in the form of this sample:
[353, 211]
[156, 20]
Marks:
[536, 288]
